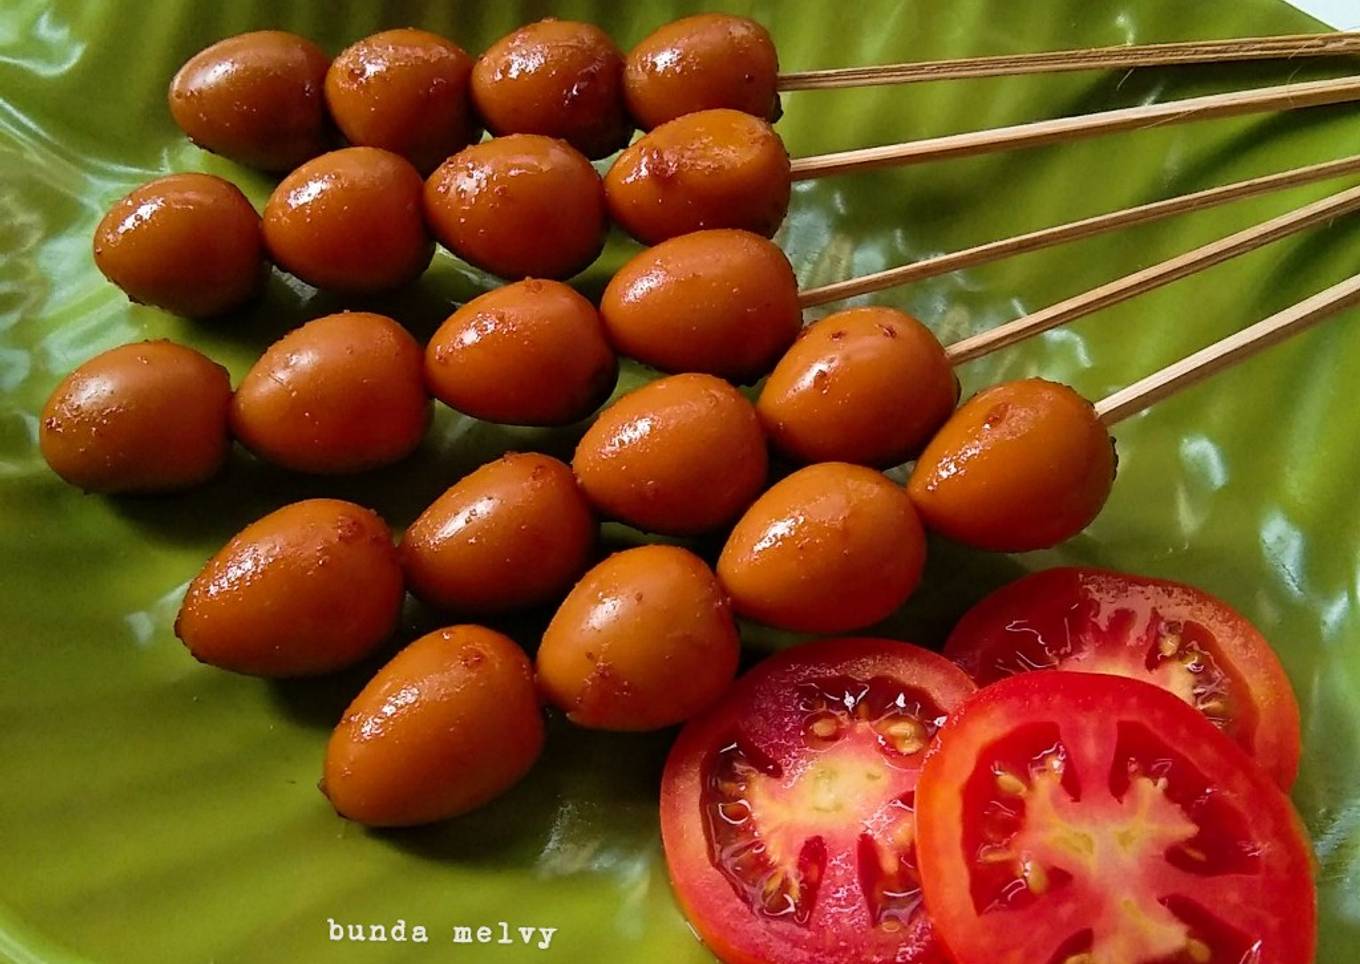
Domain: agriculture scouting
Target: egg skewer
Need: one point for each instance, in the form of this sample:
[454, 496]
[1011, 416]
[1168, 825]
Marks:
[711, 168]
[1077, 230]
[727, 169]
[727, 302]
[1316, 93]
[869, 385]
[717, 60]
[873, 385]
[1021, 466]
[1025, 465]
[1117, 57]
[784, 321]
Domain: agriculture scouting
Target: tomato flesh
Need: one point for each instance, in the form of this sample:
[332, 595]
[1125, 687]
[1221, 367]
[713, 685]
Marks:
[1167, 633]
[770, 828]
[1074, 818]
[788, 809]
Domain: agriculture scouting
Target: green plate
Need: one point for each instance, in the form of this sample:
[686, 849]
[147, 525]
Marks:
[153, 810]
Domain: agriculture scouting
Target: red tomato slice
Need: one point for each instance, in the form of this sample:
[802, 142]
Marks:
[1167, 633]
[787, 809]
[1075, 818]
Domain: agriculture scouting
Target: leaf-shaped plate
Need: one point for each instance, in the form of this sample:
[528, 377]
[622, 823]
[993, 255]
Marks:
[155, 810]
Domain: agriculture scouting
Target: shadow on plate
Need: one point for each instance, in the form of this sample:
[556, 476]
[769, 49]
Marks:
[249, 488]
[318, 702]
[287, 303]
[590, 803]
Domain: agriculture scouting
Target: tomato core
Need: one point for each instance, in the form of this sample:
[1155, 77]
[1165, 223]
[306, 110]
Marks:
[1058, 823]
[772, 829]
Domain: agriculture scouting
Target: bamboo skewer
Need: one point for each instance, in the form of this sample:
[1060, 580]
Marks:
[1075, 230]
[1284, 97]
[1097, 58]
[1227, 352]
[1153, 277]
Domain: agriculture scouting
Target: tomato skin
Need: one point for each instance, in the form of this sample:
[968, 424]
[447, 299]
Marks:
[1083, 607]
[1020, 466]
[699, 63]
[761, 704]
[1273, 901]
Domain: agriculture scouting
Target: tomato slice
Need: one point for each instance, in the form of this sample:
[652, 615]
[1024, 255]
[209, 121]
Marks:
[1077, 818]
[1167, 633]
[787, 808]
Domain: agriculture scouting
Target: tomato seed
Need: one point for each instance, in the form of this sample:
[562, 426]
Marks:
[1198, 950]
[1036, 878]
[824, 728]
